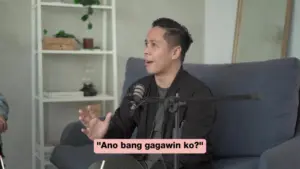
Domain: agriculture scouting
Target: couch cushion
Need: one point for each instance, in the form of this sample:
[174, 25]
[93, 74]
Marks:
[237, 163]
[246, 128]
[69, 157]
[135, 69]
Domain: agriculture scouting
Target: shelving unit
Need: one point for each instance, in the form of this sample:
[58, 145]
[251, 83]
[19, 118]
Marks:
[40, 149]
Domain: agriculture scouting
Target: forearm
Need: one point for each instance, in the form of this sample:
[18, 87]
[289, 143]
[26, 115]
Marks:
[4, 108]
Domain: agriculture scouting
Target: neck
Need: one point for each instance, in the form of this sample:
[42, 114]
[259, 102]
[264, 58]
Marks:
[166, 78]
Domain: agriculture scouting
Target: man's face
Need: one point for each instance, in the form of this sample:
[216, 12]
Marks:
[158, 53]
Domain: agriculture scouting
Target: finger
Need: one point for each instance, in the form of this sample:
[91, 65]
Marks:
[87, 119]
[91, 112]
[81, 116]
[85, 131]
[108, 117]
[83, 113]
[88, 133]
[83, 122]
[84, 117]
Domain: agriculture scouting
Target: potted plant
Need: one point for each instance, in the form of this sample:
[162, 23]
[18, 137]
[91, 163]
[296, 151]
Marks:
[60, 41]
[88, 3]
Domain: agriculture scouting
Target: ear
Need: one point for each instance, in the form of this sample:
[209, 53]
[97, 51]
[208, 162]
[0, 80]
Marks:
[176, 51]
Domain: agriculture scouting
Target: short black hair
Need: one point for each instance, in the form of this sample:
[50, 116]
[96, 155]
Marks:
[176, 34]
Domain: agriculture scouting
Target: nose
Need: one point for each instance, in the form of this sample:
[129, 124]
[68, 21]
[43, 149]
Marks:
[146, 51]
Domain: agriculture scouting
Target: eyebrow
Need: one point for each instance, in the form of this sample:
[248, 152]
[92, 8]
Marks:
[158, 41]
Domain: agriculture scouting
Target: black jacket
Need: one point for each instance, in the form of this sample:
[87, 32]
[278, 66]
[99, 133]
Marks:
[196, 118]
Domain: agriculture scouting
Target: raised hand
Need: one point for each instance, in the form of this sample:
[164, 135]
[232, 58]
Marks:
[94, 127]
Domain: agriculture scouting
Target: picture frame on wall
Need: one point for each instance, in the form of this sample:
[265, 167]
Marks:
[262, 30]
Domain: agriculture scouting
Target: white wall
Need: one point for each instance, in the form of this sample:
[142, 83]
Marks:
[15, 81]
[219, 30]
[294, 48]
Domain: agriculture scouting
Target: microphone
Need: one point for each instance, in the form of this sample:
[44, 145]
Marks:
[136, 97]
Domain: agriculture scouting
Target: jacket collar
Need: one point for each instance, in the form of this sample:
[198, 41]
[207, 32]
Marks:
[174, 88]
[152, 86]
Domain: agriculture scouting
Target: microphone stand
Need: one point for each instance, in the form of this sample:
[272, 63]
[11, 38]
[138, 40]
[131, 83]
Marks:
[174, 105]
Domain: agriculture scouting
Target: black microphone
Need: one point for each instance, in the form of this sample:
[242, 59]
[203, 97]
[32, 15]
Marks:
[136, 97]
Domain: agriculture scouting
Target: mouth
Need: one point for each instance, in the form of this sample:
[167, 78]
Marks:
[148, 62]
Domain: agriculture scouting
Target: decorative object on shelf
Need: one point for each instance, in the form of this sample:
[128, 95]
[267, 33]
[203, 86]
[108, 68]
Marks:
[86, 17]
[60, 41]
[88, 89]
[88, 43]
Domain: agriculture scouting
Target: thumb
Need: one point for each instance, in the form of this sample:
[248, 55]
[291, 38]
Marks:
[108, 117]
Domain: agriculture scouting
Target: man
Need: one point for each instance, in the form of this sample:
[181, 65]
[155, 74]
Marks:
[165, 47]
[4, 109]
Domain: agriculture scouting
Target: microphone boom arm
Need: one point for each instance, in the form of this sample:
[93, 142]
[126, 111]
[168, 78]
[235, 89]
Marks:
[201, 99]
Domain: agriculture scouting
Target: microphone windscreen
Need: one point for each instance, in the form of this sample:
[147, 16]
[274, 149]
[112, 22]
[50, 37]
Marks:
[138, 92]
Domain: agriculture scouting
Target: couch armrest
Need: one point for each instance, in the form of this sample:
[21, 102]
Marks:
[283, 156]
[73, 136]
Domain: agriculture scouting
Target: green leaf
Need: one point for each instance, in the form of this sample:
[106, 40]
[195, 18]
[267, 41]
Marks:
[90, 11]
[77, 1]
[90, 25]
[87, 2]
[45, 31]
[85, 17]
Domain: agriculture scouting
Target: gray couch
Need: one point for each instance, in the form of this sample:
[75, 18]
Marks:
[251, 134]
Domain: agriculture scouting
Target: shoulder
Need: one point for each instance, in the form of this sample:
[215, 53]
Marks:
[195, 85]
